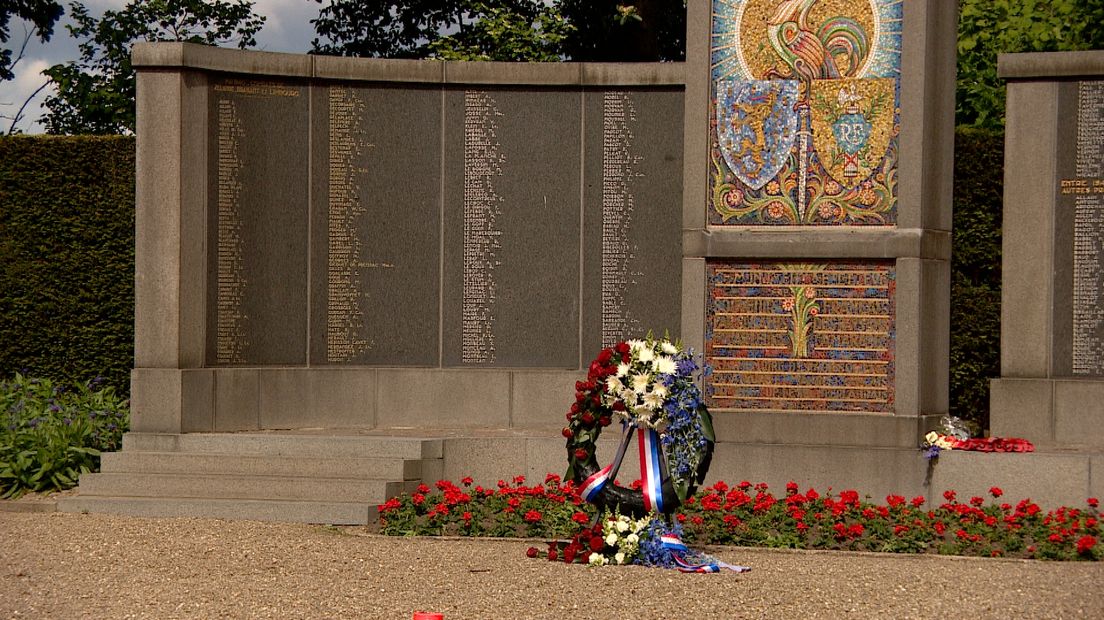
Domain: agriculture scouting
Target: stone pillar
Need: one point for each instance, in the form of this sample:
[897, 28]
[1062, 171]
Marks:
[1051, 389]
[817, 213]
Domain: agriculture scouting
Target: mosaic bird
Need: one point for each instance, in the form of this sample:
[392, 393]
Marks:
[836, 49]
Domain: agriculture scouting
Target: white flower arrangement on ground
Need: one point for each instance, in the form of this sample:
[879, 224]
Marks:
[621, 535]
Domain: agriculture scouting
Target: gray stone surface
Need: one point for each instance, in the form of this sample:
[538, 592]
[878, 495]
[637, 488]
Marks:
[375, 225]
[826, 242]
[1022, 408]
[875, 472]
[192, 55]
[631, 260]
[415, 398]
[1028, 230]
[1079, 413]
[1048, 479]
[540, 399]
[1050, 64]
[512, 228]
[237, 400]
[837, 429]
[169, 222]
[693, 304]
[257, 225]
[927, 114]
[169, 400]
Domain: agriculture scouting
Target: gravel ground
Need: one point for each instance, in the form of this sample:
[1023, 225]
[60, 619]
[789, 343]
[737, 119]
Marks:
[55, 565]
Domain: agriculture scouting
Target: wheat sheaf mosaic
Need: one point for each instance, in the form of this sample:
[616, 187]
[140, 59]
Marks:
[805, 336]
[805, 112]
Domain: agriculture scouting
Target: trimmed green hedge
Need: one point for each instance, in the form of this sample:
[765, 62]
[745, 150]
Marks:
[67, 262]
[67, 258]
[976, 272]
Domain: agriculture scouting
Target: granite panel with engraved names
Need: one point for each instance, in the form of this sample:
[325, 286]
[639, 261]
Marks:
[632, 276]
[1079, 231]
[512, 211]
[375, 264]
[258, 201]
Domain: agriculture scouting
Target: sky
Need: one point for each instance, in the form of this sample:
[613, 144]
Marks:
[287, 29]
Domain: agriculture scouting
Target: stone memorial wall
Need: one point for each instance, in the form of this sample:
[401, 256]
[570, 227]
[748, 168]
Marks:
[465, 226]
[1052, 327]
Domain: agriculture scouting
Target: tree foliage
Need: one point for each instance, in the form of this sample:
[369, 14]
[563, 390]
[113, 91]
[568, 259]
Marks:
[494, 32]
[990, 27]
[533, 30]
[95, 93]
[42, 15]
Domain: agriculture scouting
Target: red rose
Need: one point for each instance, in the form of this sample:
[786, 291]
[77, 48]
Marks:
[569, 554]
[619, 406]
[597, 544]
[567, 433]
[588, 418]
[574, 408]
[622, 348]
[580, 453]
[580, 386]
[552, 556]
[532, 552]
[605, 356]
[604, 420]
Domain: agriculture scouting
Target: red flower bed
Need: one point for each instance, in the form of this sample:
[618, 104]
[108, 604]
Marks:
[751, 515]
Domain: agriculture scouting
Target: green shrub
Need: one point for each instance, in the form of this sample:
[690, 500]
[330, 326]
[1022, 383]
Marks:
[52, 433]
[67, 258]
[976, 272]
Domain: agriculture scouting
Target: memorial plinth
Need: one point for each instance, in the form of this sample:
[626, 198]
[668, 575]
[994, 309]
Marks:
[1051, 388]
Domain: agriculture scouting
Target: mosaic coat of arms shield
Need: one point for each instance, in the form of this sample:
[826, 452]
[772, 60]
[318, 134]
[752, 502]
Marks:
[805, 112]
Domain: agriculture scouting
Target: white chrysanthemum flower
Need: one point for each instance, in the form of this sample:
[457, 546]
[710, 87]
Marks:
[622, 369]
[660, 390]
[635, 345]
[619, 557]
[640, 382]
[646, 354]
[611, 540]
[668, 348]
[666, 365]
[652, 400]
[613, 385]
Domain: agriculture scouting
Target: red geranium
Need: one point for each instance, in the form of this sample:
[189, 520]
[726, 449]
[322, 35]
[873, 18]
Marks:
[1085, 544]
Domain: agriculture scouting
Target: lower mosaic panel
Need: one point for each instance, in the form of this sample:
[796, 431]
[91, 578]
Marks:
[809, 336]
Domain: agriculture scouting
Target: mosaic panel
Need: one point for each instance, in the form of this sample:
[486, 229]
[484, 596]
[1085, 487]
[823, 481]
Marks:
[804, 112]
[801, 336]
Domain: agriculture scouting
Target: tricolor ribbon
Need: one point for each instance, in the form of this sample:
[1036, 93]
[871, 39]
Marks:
[650, 471]
[712, 565]
[593, 485]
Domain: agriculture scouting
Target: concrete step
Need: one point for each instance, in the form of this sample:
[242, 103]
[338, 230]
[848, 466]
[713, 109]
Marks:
[286, 444]
[213, 486]
[256, 465]
[336, 513]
